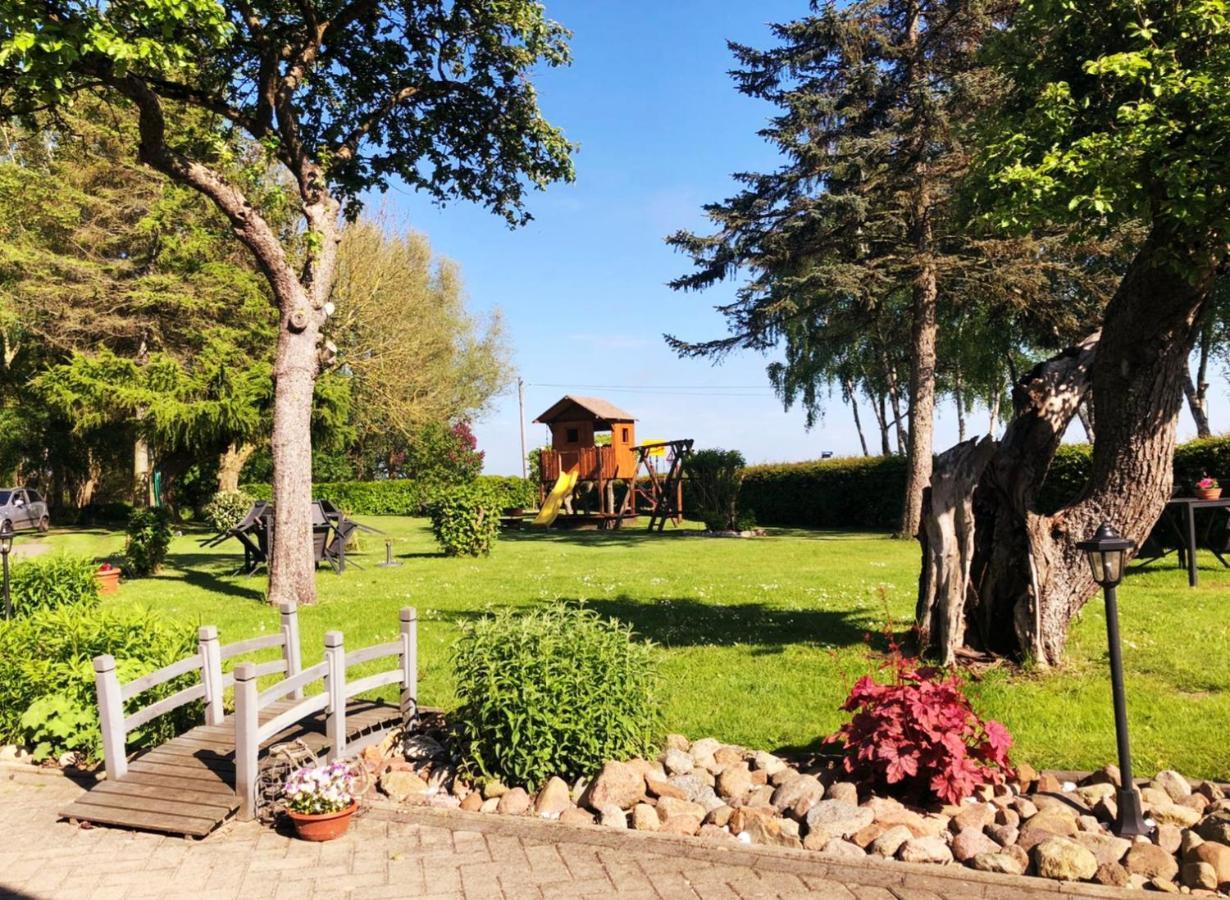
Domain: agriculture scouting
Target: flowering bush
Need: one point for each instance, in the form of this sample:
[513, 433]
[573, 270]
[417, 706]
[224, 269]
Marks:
[918, 735]
[320, 789]
[1207, 483]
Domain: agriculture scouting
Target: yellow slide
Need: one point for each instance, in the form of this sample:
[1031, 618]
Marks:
[555, 500]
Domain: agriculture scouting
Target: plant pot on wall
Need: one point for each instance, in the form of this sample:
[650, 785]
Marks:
[108, 578]
[1208, 493]
[322, 826]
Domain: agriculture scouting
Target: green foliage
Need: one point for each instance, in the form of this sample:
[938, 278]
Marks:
[714, 480]
[404, 496]
[61, 673]
[852, 492]
[149, 535]
[49, 582]
[227, 509]
[557, 691]
[58, 723]
[465, 519]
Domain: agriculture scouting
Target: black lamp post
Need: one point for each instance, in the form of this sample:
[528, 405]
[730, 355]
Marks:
[1107, 551]
[6, 546]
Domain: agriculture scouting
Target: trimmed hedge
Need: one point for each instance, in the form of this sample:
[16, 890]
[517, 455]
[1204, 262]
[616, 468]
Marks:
[402, 496]
[866, 492]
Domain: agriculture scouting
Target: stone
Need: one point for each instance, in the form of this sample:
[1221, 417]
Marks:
[1048, 784]
[645, 817]
[742, 817]
[1088, 823]
[969, 842]
[1165, 885]
[768, 830]
[719, 816]
[837, 819]
[693, 787]
[677, 742]
[1190, 842]
[925, 850]
[1210, 791]
[976, 816]
[659, 787]
[490, 805]
[761, 796]
[1105, 847]
[899, 815]
[1001, 863]
[779, 778]
[715, 833]
[840, 849]
[1215, 854]
[1056, 820]
[494, 789]
[614, 817]
[798, 795]
[1112, 874]
[1151, 861]
[677, 762]
[402, 786]
[726, 756]
[1215, 827]
[618, 784]
[768, 763]
[844, 791]
[669, 807]
[1151, 796]
[1091, 794]
[759, 778]
[1025, 808]
[1174, 814]
[890, 841]
[864, 836]
[574, 815]
[1200, 875]
[1169, 838]
[1105, 775]
[1008, 817]
[515, 803]
[1032, 837]
[1004, 835]
[1064, 860]
[735, 781]
[1173, 784]
[553, 799]
[702, 751]
[473, 802]
[443, 801]
[1106, 809]
[685, 826]
[1026, 774]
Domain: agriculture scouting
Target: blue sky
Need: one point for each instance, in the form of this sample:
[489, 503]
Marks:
[582, 288]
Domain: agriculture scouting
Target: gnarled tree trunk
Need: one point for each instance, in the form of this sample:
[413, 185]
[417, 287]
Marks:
[230, 464]
[1028, 579]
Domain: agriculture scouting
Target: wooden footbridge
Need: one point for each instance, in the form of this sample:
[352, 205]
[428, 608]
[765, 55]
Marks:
[193, 783]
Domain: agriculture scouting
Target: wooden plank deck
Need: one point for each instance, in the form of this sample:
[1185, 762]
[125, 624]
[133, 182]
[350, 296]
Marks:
[187, 785]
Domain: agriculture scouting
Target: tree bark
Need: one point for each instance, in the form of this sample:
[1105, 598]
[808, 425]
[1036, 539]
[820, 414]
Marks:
[959, 398]
[140, 472]
[1197, 391]
[1028, 579]
[880, 411]
[852, 398]
[230, 465]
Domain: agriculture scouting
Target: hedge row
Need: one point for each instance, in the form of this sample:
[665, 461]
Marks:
[866, 492]
[401, 496]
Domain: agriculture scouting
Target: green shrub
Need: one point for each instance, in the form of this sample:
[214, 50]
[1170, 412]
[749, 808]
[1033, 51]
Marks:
[48, 582]
[404, 496]
[46, 665]
[716, 477]
[465, 520]
[226, 509]
[149, 535]
[558, 691]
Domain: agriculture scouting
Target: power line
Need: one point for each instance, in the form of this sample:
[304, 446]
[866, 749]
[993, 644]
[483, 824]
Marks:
[744, 389]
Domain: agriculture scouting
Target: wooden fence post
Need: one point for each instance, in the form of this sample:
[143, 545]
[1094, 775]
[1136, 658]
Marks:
[111, 716]
[335, 684]
[290, 643]
[247, 739]
[211, 673]
[409, 664]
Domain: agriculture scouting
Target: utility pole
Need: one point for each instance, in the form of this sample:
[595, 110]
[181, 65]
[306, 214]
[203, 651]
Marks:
[521, 407]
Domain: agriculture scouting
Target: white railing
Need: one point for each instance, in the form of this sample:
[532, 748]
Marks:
[207, 661]
[250, 732]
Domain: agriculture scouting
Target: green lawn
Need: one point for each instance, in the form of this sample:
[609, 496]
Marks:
[759, 639]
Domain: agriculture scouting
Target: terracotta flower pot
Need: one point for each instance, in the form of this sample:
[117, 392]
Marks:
[322, 826]
[108, 580]
[1208, 493]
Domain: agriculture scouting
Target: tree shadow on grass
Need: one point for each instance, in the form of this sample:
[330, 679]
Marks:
[200, 570]
[684, 622]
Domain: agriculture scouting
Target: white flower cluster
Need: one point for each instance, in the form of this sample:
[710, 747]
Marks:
[320, 789]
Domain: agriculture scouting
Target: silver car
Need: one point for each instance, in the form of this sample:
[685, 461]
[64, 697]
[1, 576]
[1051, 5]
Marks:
[21, 508]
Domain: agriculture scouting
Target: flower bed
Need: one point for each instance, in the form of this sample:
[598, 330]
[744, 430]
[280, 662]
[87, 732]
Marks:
[1032, 824]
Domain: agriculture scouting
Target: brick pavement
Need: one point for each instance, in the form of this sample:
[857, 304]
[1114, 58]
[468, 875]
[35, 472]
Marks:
[429, 853]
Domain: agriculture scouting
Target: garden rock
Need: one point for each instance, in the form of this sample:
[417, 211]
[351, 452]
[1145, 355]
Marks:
[1199, 875]
[1004, 835]
[1215, 854]
[1002, 863]
[1008, 817]
[677, 762]
[681, 825]
[798, 795]
[976, 816]
[761, 796]
[841, 849]
[677, 742]
[969, 842]
[1215, 827]
[1056, 820]
[613, 817]
[1032, 837]
[661, 788]
[1174, 814]
[618, 784]
[494, 789]
[715, 833]
[1105, 847]
[473, 802]
[576, 816]
[768, 763]
[1112, 874]
[669, 808]
[890, 841]
[719, 816]
[1190, 842]
[734, 782]
[1173, 784]
[1151, 861]
[553, 799]
[726, 756]
[844, 791]
[702, 751]
[515, 803]
[835, 818]
[1168, 837]
[403, 786]
[1091, 794]
[1064, 860]
[925, 850]
[490, 805]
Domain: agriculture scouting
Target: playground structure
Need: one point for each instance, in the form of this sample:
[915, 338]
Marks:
[583, 482]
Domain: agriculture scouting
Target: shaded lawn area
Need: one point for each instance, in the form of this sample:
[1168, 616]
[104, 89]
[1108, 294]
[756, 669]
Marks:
[759, 639]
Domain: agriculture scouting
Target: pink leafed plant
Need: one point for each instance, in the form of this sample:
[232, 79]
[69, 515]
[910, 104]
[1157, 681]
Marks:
[1207, 484]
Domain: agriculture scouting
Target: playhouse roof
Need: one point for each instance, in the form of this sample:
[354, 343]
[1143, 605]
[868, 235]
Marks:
[570, 408]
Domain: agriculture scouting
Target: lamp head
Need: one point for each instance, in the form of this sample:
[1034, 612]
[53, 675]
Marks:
[1107, 552]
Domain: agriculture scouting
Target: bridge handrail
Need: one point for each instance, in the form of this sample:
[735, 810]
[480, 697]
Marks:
[161, 676]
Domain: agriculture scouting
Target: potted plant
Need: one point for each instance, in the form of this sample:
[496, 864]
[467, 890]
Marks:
[108, 577]
[320, 801]
[1208, 489]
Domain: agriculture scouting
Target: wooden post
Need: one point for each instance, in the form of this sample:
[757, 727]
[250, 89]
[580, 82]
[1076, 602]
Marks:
[247, 739]
[335, 684]
[111, 716]
[211, 673]
[409, 664]
[290, 643]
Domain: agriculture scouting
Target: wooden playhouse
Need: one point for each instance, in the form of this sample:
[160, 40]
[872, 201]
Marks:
[588, 478]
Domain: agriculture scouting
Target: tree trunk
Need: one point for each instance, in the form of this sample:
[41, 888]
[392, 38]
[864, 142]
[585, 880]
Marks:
[993, 416]
[230, 465]
[959, 399]
[852, 398]
[1197, 391]
[898, 417]
[140, 472]
[880, 410]
[1028, 579]
[1084, 414]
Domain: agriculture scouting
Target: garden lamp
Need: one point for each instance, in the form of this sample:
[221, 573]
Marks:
[1107, 551]
[6, 546]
